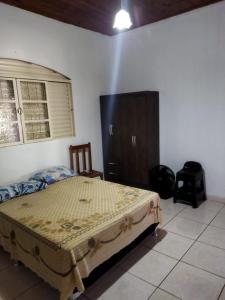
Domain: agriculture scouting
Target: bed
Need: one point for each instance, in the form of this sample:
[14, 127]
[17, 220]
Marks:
[66, 231]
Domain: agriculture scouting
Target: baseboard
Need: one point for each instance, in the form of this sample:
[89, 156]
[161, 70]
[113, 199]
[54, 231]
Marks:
[216, 198]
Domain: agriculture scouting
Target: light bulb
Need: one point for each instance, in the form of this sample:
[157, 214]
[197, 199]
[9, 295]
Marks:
[122, 20]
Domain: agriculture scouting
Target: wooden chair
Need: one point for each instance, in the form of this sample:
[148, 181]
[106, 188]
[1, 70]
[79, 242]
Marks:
[85, 151]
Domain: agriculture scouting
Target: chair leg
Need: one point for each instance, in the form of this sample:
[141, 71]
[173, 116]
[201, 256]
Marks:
[204, 197]
[175, 192]
[194, 199]
[195, 204]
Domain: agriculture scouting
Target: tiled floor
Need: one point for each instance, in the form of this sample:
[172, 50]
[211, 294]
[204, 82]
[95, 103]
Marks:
[185, 261]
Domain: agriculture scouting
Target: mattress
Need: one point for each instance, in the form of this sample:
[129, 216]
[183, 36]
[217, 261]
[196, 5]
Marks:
[64, 232]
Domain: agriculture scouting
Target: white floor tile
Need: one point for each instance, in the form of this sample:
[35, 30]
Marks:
[151, 241]
[212, 204]
[16, 280]
[214, 236]
[134, 256]
[206, 257]
[128, 287]
[153, 267]
[187, 228]
[121, 287]
[189, 283]
[201, 214]
[170, 208]
[222, 296]
[165, 218]
[219, 220]
[161, 295]
[173, 245]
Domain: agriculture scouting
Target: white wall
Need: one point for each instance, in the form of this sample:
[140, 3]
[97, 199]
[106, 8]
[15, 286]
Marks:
[80, 54]
[184, 58]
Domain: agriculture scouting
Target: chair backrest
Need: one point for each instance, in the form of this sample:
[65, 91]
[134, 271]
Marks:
[193, 166]
[83, 151]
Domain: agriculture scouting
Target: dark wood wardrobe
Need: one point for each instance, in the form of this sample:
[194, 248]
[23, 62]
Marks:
[130, 136]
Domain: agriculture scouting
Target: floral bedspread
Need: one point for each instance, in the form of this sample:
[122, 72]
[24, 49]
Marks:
[65, 231]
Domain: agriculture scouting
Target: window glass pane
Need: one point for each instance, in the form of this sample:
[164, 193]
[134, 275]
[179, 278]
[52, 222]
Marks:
[8, 112]
[35, 111]
[39, 130]
[9, 133]
[6, 90]
[33, 91]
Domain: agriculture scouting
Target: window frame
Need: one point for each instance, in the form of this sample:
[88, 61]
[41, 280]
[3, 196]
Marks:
[17, 104]
[23, 121]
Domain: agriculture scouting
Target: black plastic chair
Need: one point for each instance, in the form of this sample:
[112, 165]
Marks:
[192, 180]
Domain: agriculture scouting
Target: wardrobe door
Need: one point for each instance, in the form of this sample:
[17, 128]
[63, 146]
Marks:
[146, 136]
[135, 138]
[141, 140]
[110, 137]
[127, 127]
[153, 132]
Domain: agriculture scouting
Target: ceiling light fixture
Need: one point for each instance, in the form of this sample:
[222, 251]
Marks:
[122, 19]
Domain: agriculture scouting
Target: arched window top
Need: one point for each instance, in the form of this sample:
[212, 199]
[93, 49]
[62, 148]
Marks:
[23, 69]
[35, 103]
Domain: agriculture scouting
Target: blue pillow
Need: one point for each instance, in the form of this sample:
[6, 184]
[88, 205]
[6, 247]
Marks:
[20, 188]
[30, 186]
[54, 174]
[7, 192]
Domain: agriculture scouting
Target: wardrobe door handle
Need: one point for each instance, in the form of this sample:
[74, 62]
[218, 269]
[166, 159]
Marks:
[133, 140]
[110, 129]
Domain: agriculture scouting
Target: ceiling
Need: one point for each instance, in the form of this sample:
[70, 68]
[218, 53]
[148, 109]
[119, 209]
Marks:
[98, 15]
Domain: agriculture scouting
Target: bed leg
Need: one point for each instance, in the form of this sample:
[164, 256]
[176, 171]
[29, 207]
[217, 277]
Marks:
[156, 232]
[74, 296]
[16, 263]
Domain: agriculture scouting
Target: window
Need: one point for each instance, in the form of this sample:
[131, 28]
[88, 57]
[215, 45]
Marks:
[34, 110]
[10, 124]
